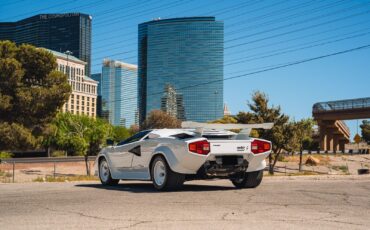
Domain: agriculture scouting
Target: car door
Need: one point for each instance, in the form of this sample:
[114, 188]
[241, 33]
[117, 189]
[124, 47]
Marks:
[140, 162]
[121, 158]
[123, 153]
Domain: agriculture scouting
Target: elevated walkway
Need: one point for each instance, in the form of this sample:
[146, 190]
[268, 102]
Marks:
[334, 133]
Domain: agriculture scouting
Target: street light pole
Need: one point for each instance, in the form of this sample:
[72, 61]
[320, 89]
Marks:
[216, 93]
[67, 67]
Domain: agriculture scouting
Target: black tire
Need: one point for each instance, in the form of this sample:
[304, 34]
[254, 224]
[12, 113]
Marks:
[172, 180]
[109, 181]
[248, 180]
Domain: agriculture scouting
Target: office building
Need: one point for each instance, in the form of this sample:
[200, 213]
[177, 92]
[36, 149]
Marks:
[59, 32]
[173, 103]
[186, 53]
[84, 89]
[98, 77]
[119, 93]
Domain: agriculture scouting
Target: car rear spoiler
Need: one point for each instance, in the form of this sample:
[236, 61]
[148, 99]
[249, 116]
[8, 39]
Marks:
[245, 128]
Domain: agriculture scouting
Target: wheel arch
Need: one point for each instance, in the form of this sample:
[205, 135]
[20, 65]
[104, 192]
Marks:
[152, 160]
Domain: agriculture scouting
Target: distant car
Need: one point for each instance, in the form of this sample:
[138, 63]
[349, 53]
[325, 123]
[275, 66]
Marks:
[169, 157]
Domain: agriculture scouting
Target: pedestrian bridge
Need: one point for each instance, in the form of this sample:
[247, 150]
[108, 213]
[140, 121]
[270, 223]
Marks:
[334, 133]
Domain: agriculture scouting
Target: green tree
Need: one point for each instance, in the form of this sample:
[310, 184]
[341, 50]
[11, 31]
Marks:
[158, 119]
[226, 120]
[79, 135]
[262, 112]
[31, 93]
[301, 133]
[120, 133]
[365, 130]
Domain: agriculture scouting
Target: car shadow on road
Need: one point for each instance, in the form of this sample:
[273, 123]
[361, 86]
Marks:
[148, 187]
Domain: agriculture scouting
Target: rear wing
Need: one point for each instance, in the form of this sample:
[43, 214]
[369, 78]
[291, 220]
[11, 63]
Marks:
[245, 128]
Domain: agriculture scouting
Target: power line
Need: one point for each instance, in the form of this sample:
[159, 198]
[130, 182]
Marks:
[297, 30]
[262, 39]
[36, 11]
[285, 51]
[299, 22]
[315, 18]
[261, 71]
[286, 10]
[300, 37]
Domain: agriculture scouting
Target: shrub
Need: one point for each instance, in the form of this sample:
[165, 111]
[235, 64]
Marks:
[4, 155]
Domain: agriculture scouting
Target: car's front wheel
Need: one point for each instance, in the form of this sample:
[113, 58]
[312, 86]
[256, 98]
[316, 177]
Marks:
[248, 179]
[105, 175]
[163, 177]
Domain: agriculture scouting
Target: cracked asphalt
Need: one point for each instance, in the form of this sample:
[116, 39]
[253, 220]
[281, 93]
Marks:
[341, 202]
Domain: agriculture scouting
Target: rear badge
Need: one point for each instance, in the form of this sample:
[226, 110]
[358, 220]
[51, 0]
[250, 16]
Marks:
[240, 148]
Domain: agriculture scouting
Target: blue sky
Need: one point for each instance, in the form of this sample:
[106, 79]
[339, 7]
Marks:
[258, 34]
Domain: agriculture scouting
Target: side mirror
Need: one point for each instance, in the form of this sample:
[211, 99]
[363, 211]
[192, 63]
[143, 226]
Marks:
[109, 142]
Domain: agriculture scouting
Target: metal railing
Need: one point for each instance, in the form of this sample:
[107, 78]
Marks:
[359, 103]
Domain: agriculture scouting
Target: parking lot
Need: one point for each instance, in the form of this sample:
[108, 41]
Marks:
[328, 202]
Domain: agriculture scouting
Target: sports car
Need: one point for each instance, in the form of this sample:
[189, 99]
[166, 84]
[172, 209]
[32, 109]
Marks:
[169, 157]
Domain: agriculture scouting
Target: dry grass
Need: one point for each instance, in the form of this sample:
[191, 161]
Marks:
[5, 174]
[303, 173]
[343, 168]
[65, 179]
[324, 160]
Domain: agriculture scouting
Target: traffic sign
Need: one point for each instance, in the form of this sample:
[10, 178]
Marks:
[357, 138]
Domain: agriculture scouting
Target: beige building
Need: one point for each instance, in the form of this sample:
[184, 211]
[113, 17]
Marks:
[84, 89]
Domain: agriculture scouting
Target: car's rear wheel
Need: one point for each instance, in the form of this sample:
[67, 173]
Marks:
[163, 177]
[248, 179]
[105, 175]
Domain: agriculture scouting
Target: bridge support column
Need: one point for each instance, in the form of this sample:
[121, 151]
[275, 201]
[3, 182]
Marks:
[329, 141]
[336, 143]
[323, 137]
[342, 144]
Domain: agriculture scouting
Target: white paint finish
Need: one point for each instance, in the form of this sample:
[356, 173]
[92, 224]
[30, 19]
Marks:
[230, 146]
[126, 165]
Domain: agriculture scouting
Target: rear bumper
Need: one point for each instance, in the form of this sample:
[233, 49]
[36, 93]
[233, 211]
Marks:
[192, 163]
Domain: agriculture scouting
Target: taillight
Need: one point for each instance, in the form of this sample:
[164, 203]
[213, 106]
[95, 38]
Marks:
[259, 146]
[200, 147]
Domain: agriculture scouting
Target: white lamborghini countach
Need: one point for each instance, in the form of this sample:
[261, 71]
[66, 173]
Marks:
[169, 157]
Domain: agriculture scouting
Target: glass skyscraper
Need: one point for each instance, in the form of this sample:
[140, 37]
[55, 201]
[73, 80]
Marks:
[58, 32]
[119, 93]
[186, 54]
[98, 77]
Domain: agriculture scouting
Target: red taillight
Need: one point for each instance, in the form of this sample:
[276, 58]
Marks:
[200, 147]
[259, 146]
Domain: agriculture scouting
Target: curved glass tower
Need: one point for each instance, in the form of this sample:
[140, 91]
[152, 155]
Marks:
[187, 55]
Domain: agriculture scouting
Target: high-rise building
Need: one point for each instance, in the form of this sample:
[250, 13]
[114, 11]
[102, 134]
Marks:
[186, 53]
[59, 32]
[98, 77]
[173, 103]
[84, 89]
[119, 93]
[226, 110]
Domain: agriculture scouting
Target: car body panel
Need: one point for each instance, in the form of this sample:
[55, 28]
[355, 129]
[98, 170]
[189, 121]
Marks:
[127, 165]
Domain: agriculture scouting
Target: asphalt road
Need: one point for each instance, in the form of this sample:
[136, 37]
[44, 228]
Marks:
[279, 203]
